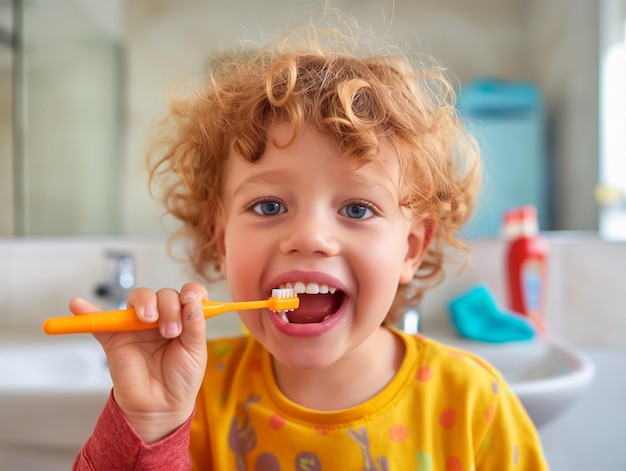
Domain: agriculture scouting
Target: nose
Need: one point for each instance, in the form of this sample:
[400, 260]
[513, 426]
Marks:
[311, 232]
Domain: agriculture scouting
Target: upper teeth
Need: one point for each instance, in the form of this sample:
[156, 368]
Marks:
[309, 288]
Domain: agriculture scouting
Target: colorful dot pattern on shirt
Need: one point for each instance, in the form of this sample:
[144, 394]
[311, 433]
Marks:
[444, 411]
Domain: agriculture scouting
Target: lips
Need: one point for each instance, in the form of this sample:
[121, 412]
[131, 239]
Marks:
[318, 302]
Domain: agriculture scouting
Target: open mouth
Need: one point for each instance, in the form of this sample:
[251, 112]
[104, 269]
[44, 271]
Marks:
[318, 302]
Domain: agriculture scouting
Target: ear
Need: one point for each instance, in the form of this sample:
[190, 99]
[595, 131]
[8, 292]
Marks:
[419, 237]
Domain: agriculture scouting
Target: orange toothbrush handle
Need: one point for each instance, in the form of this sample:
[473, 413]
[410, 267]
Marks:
[124, 320]
[110, 321]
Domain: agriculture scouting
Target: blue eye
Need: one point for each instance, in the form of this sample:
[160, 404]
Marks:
[356, 211]
[268, 208]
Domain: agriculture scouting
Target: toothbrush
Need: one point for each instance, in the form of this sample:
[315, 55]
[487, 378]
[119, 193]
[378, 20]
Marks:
[126, 320]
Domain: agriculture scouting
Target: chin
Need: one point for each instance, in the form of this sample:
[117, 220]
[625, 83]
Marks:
[305, 359]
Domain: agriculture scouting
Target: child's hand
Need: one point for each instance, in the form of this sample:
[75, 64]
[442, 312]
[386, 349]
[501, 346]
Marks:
[157, 373]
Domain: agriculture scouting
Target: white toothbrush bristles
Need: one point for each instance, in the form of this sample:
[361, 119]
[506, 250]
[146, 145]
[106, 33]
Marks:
[284, 293]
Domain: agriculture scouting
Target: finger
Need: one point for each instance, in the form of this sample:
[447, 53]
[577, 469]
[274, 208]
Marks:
[82, 306]
[191, 296]
[144, 302]
[169, 308]
[193, 293]
[193, 335]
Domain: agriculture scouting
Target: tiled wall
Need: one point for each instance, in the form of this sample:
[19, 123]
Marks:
[586, 300]
[38, 277]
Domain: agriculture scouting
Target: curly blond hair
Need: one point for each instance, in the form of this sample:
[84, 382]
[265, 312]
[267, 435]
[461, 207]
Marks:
[320, 77]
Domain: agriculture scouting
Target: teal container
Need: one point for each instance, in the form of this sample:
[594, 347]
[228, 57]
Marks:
[507, 120]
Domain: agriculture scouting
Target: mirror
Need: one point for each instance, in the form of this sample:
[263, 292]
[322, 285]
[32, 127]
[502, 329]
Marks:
[90, 77]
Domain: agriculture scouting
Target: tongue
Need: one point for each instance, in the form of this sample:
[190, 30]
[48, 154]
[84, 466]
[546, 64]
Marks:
[314, 308]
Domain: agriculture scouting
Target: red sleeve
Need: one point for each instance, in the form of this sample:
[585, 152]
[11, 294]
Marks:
[115, 446]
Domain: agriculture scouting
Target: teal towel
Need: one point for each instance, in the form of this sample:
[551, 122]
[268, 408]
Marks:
[475, 315]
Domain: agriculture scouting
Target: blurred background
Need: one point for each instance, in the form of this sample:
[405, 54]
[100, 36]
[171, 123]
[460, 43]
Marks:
[541, 83]
[81, 81]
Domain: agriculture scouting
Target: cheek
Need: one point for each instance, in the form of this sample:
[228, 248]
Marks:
[378, 270]
[241, 265]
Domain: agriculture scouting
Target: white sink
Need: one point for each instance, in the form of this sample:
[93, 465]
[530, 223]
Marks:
[547, 374]
[52, 391]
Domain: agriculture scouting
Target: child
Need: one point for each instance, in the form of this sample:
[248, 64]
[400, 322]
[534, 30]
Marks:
[344, 176]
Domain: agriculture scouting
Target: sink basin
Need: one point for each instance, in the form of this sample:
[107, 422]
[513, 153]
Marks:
[547, 374]
[51, 392]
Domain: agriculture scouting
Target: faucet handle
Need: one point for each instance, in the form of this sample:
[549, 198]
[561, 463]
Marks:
[121, 268]
[120, 272]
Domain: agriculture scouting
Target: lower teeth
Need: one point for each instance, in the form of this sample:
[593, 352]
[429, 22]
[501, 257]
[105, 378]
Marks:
[284, 318]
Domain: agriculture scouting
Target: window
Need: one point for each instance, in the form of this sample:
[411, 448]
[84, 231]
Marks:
[611, 192]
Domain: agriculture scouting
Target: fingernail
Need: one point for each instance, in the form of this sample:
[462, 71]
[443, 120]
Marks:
[189, 296]
[171, 329]
[150, 312]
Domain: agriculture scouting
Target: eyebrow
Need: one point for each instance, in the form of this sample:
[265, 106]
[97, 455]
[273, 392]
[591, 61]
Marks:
[265, 177]
[359, 182]
[277, 177]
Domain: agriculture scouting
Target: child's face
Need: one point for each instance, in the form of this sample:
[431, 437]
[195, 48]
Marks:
[307, 215]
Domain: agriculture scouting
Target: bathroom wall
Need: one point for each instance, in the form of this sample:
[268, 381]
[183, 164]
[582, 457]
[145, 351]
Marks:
[586, 300]
[553, 44]
[171, 40]
[514, 39]
[6, 133]
[39, 276]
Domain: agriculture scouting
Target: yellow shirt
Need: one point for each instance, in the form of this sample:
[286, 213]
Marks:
[444, 410]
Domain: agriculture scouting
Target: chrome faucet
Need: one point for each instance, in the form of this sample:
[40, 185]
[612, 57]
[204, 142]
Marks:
[120, 271]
